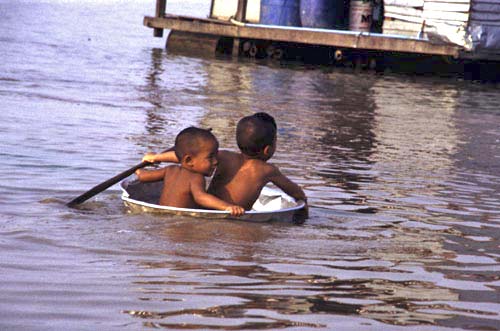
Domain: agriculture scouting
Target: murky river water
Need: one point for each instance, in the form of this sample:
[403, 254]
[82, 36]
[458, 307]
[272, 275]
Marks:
[403, 175]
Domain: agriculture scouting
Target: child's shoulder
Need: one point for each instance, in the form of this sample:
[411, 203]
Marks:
[173, 167]
[224, 153]
[185, 175]
[262, 167]
[228, 158]
[172, 170]
[270, 167]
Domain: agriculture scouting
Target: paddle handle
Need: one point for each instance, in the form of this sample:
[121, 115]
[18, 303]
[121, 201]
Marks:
[104, 185]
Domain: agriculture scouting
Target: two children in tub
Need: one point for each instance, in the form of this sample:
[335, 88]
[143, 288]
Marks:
[238, 178]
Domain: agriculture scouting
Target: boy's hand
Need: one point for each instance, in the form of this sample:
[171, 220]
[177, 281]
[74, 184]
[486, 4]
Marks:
[149, 157]
[236, 210]
[301, 215]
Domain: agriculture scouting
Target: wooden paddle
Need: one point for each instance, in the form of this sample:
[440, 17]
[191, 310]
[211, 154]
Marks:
[104, 185]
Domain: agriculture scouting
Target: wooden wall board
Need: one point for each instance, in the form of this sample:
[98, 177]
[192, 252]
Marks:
[447, 7]
[406, 11]
[446, 16]
[401, 25]
[404, 3]
[401, 32]
[413, 19]
[450, 1]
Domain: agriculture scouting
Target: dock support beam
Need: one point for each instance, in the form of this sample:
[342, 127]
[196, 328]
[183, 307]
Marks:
[241, 14]
[236, 47]
[161, 6]
[335, 38]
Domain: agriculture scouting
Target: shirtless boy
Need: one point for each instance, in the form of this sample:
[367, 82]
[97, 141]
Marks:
[240, 177]
[184, 184]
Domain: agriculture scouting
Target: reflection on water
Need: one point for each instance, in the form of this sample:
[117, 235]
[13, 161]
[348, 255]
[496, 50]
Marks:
[380, 145]
[402, 175]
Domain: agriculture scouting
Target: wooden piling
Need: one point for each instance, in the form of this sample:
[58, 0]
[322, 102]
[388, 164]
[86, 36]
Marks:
[161, 6]
[192, 44]
[241, 14]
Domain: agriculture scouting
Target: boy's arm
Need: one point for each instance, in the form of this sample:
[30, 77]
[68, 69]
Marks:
[284, 183]
[150, 175]
[293, 190]
[204, 199]
[168, 156]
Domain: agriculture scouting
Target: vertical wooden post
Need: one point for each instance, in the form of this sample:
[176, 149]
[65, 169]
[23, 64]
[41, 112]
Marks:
[241, 12]
[161, 5]
[236, 47]
[212, 3]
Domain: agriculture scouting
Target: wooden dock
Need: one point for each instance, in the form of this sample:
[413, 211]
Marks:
[240, 34]
[309, 36]
[232, 28]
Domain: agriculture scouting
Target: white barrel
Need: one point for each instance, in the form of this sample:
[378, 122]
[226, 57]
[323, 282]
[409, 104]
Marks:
[360, 15]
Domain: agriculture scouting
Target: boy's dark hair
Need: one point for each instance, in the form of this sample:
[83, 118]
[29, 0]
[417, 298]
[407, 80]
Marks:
[255, 132]
[188, 141]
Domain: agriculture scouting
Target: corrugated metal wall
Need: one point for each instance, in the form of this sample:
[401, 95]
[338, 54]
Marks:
[484, 25]
[485, 12]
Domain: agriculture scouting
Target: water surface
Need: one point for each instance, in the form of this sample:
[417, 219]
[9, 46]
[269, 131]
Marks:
[402, 174]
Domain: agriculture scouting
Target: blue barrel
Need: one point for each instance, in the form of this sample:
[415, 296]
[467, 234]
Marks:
[323, 14]
[280, 12]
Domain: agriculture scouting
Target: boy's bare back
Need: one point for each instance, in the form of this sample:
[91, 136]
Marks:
[178, 183]
[239, 179]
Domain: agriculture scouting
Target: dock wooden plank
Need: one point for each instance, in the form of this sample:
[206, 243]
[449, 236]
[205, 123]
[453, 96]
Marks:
[335, 38]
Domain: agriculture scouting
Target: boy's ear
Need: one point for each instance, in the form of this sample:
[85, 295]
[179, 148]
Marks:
[187, 160]
[266, 150]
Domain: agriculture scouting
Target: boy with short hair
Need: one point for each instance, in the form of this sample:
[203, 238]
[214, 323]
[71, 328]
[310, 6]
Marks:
[240, 177]
[184, 184]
